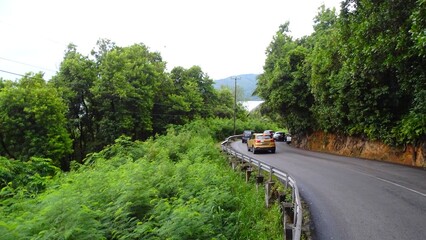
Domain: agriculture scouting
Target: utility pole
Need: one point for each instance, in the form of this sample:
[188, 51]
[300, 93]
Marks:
[235, 101]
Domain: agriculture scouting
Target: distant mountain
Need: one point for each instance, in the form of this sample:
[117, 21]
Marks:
[247, 82]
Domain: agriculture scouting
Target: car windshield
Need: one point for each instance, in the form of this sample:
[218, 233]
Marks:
[263, 137]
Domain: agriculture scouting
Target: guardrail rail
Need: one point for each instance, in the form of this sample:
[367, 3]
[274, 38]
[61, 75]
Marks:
[296, 226]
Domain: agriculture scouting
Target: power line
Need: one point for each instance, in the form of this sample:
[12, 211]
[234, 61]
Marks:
[12, 73]
[10, 60]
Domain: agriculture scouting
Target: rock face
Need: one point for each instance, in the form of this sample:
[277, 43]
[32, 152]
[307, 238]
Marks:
[361, 148]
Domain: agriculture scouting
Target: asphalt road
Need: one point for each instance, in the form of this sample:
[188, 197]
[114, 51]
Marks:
[352, 198]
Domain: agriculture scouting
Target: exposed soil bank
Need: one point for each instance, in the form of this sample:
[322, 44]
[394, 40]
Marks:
[358, 147]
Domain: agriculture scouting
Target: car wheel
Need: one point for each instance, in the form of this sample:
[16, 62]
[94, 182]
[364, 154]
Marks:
[248, 148]
[273, 150]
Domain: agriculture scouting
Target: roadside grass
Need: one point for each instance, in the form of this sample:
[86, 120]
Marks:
[176, 186]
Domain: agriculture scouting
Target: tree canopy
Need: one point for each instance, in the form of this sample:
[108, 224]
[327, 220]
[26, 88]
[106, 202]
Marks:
[32, 120]
[361, 72]
[95, 99]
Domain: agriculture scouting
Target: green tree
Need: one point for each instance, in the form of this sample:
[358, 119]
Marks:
[412, 127]
[284, 83]
[325, 60]
[193, 95]
[129, 78]
[205, 87]
[162, 112]
[226, 99]
[32, 121]
[186, 98]
[360, 73]
[103, 46]
[381, 73]
[76, 76]
[418, 27]
[126, 91]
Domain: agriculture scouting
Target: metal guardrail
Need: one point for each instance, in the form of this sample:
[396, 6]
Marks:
[283, 176]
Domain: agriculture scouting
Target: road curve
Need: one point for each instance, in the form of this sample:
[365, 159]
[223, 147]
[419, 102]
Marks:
[351, 198]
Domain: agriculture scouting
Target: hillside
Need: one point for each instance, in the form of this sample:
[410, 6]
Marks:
[177, 186]
[246, 82]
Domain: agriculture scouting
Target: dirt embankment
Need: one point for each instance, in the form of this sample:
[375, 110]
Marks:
[358, 147]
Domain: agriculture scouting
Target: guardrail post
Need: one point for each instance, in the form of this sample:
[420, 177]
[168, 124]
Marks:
[295, 213]
[248, 173]
[244, 166]
[259, 180]
[288, 209]
[288, 224]
[269, 198]
[233, 161]
[292, 210]
[286, 181]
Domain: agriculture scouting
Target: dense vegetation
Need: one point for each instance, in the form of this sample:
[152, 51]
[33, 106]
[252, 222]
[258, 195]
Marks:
[32, 120]
[176, 186]
[115, 147]
[361, 72]
[95, 99]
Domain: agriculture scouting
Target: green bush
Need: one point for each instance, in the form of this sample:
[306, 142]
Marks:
[177, 186]
[24, 178]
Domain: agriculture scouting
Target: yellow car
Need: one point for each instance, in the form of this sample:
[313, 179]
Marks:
[261, 142]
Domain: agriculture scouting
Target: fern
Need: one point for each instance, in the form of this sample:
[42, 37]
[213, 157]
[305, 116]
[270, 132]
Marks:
[176, 186]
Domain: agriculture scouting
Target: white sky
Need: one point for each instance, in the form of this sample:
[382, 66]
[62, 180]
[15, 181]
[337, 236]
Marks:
[224, 38]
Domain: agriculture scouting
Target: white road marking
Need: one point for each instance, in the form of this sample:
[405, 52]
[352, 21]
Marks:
[398, 185]
[390, 182]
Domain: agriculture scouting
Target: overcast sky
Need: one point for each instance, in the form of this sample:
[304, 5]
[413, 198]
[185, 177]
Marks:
[223, 37]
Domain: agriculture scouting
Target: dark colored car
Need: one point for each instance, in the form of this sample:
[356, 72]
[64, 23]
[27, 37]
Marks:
[246, 135]
[279, 136]
[269, 132]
